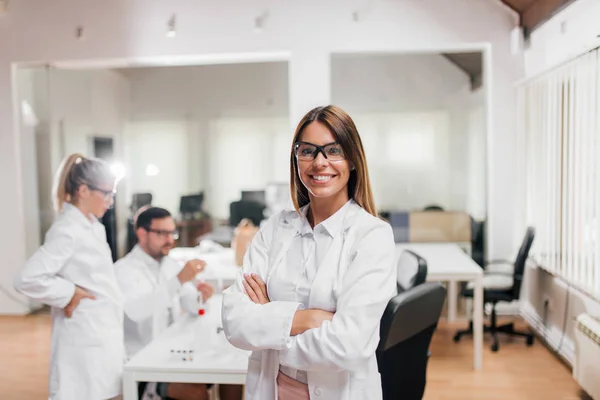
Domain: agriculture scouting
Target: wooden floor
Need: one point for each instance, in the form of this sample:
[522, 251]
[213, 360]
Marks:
[516, 372]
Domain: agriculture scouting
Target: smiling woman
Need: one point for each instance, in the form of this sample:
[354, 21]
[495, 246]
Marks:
[330, 132]
[316, 280]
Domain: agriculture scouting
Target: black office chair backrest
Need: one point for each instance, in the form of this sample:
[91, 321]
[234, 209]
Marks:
[407, 326]
[412, 270]
[521, 262]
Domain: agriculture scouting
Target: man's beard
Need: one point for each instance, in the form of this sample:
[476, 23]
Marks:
[160, 254]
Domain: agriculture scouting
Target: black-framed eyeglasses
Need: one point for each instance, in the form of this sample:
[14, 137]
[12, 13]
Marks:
[160, 232]
[108, 194]
[305, 151]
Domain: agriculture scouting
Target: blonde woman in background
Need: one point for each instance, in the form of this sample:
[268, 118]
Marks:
[73, 273]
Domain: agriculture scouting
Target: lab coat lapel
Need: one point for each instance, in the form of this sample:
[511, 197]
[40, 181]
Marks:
[288, 229]
[330, 271]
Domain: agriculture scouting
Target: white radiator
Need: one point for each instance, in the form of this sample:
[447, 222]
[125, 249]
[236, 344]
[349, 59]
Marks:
[586, 369]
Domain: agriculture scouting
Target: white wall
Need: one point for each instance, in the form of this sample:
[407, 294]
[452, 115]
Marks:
[242, 158]
[72, 107]
[217, 128]
[375, 83]
[468, 155]
[414, 112]
[163, 144]
[408, 157]
[400, 102]
[226, 90]
[26, 85]
[565, 36]
[34, 31]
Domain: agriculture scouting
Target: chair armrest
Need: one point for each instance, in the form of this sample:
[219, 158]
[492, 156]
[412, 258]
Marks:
[498, 273]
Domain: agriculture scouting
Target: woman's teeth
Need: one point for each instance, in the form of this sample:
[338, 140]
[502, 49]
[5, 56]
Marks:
[321, 178]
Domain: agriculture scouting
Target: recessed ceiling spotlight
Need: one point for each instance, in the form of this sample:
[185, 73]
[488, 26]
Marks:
[260, 21]
[79, 32]
[171, 27]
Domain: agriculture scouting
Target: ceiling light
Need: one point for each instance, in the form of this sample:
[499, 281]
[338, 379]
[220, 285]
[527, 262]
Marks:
[152, 170]
[118, 170]
[79, 32]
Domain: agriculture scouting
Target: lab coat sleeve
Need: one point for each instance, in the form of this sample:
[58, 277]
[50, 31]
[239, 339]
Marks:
[351, 338]
[40, 278]
[140, 303]
[251, 326]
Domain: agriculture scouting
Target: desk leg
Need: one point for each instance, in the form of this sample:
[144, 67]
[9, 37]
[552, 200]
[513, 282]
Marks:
[452, 300]
[478, 324]
[130, 386]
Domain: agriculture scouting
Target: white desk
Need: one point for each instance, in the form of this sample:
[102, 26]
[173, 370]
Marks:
[448, 263]
[445, 262]
[222, 363]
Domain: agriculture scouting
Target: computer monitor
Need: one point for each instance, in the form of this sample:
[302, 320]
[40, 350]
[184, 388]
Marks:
[191, 203]
[139, 200]
[257, 196]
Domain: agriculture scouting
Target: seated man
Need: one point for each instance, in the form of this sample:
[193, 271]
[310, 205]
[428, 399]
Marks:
[151, 283]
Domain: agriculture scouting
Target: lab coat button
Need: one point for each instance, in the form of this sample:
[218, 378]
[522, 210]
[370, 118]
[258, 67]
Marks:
[317, 391]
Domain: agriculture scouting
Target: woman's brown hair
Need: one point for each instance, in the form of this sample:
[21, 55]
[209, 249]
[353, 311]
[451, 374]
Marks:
[343, 129]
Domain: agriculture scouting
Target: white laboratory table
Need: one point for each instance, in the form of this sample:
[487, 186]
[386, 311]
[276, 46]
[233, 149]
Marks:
[221, 363]
[448, 263]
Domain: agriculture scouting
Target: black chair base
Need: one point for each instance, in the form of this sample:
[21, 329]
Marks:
[494, 329]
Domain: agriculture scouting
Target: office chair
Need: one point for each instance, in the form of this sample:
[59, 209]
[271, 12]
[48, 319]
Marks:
[433, 207]
[411, 270]
[501, 284]
[478, 242]
[407, 326]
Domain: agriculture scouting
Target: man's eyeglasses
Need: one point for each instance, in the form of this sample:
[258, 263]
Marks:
[108, 194]
[174, 234]
[305, 151]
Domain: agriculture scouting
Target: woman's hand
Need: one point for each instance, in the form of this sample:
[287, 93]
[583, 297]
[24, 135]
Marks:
[309, 319]
[79, 295]
[303, 319]
[255, 288]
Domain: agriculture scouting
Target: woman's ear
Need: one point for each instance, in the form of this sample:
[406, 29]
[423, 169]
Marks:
[83, 191]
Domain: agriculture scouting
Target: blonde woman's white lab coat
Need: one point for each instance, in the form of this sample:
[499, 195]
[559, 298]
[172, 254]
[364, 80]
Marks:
[87, 350]
[356, 280]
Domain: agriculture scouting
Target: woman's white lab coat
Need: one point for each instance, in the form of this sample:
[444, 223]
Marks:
[87, 350]
[356, 280]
